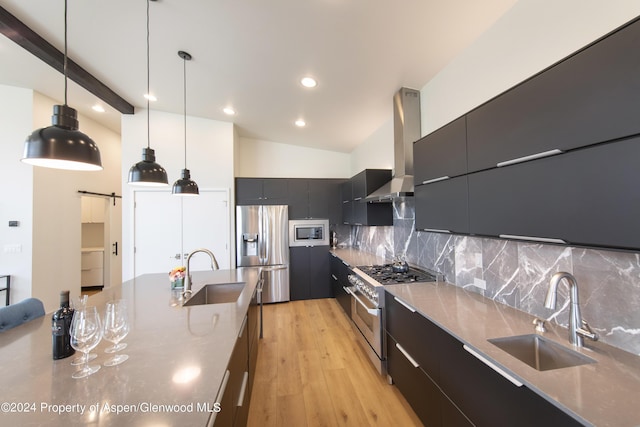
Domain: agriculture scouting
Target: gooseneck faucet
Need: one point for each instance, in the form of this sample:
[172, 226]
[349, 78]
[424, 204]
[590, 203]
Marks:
[187, 279]
[578, 328]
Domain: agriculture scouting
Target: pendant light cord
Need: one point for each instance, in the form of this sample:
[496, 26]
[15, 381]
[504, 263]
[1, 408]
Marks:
[148, 78]
[64, 66]
[184, 62]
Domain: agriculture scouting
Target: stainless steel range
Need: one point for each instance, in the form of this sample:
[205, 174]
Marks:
[367, 303]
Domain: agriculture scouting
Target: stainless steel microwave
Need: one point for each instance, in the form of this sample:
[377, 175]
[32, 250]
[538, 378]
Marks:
[308, 232]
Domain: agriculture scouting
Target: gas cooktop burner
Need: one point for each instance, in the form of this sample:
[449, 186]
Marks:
[385, 275]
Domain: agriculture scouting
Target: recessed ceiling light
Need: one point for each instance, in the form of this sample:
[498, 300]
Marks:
[308, 82]
[150, 97]
[229, 111]
[300, 123]
[99, 108]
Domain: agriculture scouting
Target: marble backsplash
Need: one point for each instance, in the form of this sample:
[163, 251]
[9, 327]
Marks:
[518, 273]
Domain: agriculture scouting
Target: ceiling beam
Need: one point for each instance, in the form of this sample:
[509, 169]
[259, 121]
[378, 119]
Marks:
[18, 32]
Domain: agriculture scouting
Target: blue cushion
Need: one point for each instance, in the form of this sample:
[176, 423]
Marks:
[19, 313]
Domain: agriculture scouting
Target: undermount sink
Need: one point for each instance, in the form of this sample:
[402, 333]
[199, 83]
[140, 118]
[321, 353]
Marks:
[540, 353]
[216, 294]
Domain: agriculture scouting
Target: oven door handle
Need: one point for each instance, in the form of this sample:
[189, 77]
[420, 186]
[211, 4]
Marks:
[371, 311]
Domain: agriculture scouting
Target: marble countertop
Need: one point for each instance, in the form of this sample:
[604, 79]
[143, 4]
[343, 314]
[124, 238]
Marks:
[602, 394]
[177, 358]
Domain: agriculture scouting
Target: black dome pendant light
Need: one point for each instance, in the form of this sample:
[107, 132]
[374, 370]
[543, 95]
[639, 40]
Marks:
[147, 172]
[62, 145]
[185, 186]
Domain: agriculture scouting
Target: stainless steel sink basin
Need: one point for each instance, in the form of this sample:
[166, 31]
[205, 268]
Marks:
[216, 294]
[540, 353]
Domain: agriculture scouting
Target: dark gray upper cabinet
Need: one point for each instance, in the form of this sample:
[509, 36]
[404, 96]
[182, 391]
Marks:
[368, 181]
[442, 153]
[262, 191]
[315, 198]
[347, 202]
[588, 98]
[325, 199]
[585, 197]
[443, 205]
[358, 212]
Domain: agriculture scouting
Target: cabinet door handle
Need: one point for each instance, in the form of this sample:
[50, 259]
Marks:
[223, 387]
[493, 366]
[345, 263]
[532, 238]
[530, 157]
[334, 277]
[442, 178]
[244, 322]
[357, 199]
[408, 356]
[407, 306]
[436, 230]
[243, 388]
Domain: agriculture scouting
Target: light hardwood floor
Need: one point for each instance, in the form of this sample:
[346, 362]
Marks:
[312, 372]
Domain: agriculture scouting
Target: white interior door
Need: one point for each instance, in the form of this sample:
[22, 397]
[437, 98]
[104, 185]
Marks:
[167, 228]
[157, 232]
[206, 225]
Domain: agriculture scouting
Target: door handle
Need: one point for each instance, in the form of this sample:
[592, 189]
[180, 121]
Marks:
[115, 248]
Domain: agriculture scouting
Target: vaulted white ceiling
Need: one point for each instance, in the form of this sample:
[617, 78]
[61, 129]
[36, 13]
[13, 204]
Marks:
[251, 54]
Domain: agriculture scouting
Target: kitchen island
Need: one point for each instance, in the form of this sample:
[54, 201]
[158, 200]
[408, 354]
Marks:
[178, 357]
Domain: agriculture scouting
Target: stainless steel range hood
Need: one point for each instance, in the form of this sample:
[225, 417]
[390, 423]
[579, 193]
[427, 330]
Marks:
[406, 130]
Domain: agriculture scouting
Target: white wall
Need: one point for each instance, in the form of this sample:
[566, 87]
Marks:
[530, 37]
[46, 202]
[16, 182]
[210, 158]
[56, 210]
[259, 158]
[376, 152]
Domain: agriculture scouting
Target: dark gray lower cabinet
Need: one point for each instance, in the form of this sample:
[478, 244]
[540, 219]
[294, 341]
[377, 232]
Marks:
[451, 387]
[339, 273]
[235, 398]
[310, 276]
[416, 386]
[584, 197]
[443, 205]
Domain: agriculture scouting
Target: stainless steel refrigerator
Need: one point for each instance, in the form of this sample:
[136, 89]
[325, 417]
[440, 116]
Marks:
[262, 242]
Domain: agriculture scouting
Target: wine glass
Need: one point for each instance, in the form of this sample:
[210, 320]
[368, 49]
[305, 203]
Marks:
[116, 327]
[79, 360]
[86, 333]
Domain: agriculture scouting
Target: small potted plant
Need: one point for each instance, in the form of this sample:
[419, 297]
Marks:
[176, 277]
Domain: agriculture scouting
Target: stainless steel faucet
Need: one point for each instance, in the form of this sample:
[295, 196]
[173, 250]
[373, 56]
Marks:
[578, 328]
[187, 280]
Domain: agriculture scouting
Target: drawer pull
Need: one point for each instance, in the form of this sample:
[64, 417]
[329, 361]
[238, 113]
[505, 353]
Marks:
[334, 277]
[430, 181]
[243, 388]
[530, 157]
[357, 199]
[409, 358]
[436, 230]
[407, 306]
[223, 387]
[532, 238]
[493, 366]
